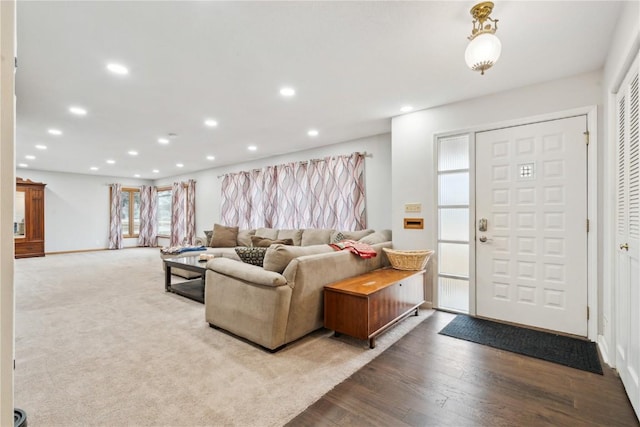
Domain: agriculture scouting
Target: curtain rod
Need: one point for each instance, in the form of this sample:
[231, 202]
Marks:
[363, 153]
[134, 186]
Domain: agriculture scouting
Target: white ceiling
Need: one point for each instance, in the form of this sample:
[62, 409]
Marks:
[353, 65]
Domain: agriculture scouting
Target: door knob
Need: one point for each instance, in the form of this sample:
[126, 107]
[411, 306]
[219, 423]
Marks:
[625, 246]
[483, 239]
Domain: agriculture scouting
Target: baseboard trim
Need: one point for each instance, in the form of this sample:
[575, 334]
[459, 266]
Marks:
[93, 250]
[604, 350]
[427, 305]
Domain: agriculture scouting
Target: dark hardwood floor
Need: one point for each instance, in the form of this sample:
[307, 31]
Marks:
[426, 379]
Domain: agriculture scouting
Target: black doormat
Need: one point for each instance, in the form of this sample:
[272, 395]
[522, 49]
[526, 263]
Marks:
[567, 351]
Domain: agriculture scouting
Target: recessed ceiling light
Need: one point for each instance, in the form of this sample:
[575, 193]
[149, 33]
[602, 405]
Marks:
[111, 162]
[211, 158]
[133, 153]
[136, 175]
[313, 132]
[155, 171]
[30, 157]
[23, 165]
[118, 69]
[287, 91]
[252, 148]
[78, 111]
[163, 140]
[55, 131]
[179, 165]
[41, 147]
[211, 123]
[406, 108]
[94, 168]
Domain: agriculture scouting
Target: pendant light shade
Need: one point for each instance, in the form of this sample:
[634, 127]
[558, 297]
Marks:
[484, 47]
[482, 52]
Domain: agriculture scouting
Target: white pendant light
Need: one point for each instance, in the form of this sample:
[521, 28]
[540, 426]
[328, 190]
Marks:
[484, 47]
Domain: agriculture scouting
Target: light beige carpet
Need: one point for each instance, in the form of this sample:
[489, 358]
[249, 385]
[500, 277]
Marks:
[99, 343]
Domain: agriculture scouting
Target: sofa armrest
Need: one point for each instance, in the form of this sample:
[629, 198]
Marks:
[246, 272]
[200, 241]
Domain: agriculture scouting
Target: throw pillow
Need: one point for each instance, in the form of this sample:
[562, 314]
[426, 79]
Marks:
[316, 236]
[351, 235]
[295, 235]
[269, 233]
[244, 237]
[339, 237]
[253, 256]
[224, 237]
[208, 234]
[377, 237]
[263, 242]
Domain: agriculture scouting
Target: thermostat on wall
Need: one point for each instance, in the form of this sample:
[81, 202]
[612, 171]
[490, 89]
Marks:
[413, 207]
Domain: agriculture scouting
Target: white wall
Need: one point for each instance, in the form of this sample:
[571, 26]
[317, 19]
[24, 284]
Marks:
[624, 48]
[77, 205]
[413, 137]
[77, 209]
[377, 180]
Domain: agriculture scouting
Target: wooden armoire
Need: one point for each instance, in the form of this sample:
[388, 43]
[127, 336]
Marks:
[28, 222]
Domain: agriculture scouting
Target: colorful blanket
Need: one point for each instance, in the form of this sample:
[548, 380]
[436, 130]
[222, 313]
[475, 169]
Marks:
[175, 250]
[363, 250]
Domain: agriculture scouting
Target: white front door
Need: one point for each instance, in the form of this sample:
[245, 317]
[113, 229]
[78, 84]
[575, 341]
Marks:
[627, 295]
[531, 260]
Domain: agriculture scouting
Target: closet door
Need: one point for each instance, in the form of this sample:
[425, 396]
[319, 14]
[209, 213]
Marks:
[627, 288]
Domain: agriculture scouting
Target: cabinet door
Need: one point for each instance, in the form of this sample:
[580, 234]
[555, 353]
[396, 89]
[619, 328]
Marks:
[36, 214]
[410, 293]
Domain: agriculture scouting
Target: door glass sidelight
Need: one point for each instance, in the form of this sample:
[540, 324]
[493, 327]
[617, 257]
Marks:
[453, 223]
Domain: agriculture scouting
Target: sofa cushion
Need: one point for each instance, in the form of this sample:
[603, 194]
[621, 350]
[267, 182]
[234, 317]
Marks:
[244, 237]
[350, 235]
[263, 242]
[269, 233]
[224, 237]
[253, 256]
[278, 256]
[295, 235]
[377, 237]
[316, 236]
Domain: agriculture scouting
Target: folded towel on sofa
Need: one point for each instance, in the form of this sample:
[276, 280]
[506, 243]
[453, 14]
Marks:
[363, 250]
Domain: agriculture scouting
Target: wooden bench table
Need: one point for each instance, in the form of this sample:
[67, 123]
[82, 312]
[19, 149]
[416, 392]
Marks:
[365, 306]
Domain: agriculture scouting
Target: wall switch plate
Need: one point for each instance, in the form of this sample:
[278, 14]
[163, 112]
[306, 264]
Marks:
[413, 207]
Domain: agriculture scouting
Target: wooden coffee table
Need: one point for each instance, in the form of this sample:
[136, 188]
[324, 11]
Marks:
[192, 289]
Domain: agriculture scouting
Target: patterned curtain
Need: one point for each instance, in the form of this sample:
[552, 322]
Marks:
[148, 235]
[191, 212]
[325, 193]
[177, 214]
[115, 224]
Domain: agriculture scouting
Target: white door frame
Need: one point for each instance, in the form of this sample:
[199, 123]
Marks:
[592, 201]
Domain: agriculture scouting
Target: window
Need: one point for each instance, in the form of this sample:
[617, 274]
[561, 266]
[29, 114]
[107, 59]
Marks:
[164, 211]
[130, 212]
[453, 223]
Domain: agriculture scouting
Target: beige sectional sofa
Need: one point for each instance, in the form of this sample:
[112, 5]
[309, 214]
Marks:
[282, 301]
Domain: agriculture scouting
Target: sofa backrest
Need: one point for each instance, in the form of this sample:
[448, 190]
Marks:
[308, 275]
[278, 257]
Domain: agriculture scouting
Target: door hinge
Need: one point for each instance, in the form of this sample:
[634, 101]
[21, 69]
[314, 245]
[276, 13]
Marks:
[587, 225]
[587, 312]
[586, 136]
